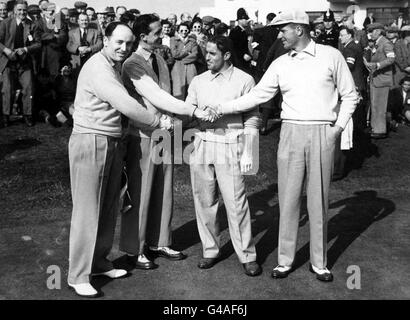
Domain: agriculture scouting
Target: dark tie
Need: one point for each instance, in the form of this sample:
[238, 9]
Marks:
[155, 64]
[84, 38]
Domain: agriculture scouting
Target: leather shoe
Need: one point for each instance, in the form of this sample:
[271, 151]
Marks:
[252, 269]
[326, 276]
[167, 253]
[207, 263]
[281, 272]
[141, 262]
[113, 274]
[29, 121]
[378, 135]
[85, 290]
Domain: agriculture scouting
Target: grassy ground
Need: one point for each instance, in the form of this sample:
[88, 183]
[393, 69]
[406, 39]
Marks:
[369, 227]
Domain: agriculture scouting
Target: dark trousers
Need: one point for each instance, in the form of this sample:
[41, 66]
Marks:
[12, 76]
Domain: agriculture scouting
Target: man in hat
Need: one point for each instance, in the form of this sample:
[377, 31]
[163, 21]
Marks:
[110, 14]
[83, 42]
[402, 51]
[312, 121]
[330, 36]
[208, 26]
[239, 36]
[72, 18]
[80, 6]
[392, 34]
[34, 12]
[19, 40]
[380, 68]
[101, 22]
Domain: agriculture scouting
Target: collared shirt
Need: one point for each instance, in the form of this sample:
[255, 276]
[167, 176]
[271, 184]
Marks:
[146, 54]
[166, 40]
[100, 94]
[311, 82]
[209, 89]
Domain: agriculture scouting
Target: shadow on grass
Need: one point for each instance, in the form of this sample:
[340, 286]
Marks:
[357, 215]
[17, 144]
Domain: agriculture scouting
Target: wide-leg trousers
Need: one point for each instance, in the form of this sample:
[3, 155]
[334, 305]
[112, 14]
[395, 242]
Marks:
[215, 166]
[95, 173]
[305, 154]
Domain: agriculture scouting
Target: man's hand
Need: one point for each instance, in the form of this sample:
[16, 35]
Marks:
[10, 54]
[246, 162]
[165, 122]
[21, 51]
[208, 114]
[84, 50]
[247, 57]
[371, 66]
[336, 131]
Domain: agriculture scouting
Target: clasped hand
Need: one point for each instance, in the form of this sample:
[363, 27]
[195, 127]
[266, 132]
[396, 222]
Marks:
[210, 113]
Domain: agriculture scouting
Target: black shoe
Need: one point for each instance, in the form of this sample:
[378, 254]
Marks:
[29, 121]
[167, 253]
[252, 269]
[378, 135]
[6, 121]
[325, 277]
[277, 274]
[207, 263]
[148, 265]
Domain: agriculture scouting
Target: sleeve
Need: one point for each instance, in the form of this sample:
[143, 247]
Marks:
[2, 35]
[72, 46]
[388, 50]
[346, 88]
[401, 58]
[251, 119]
[177, 51]
[350, 57]
[266, 89]
[192, 97]
[193, 53]
[36, 32]
[150, 90]
[109, 89]
[98, 45]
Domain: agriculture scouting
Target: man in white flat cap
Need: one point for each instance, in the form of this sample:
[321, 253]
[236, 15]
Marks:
[311, 78]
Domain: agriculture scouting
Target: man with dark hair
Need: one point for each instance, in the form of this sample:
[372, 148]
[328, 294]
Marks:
[119, 11]
[90, 11]
[19, 40]
[399, 102]
[96, 159]
[239, 37]
[222, 154]
[83, 42]
[148, 223]
[312, 120]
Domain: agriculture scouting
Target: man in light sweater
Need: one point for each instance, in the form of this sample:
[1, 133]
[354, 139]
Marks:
[311, 78]
[96, 160]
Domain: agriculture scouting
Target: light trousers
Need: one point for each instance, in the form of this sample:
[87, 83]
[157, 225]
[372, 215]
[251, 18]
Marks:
[306, 153]
[95, 173]
[379, 97]
[216, 166]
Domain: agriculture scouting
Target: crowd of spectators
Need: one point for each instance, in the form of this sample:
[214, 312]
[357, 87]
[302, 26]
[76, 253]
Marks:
[43, 51]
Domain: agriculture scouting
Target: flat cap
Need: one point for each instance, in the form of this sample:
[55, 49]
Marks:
[208, 19]
[33, 8]
[392, 29]
[291, 16]
[374, 26]
[80, 4]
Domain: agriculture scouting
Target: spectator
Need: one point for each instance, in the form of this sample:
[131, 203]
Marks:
[185, 51]
[239, 36]
[222, 29]
[402, 51]
[369, 20]
[172, 18]
[208, 27]
[16, 65]
[330, 36]
[166, 33]
[65, 88]
[83, 43]
[380, 67]
[102, 20]
[186, 17]
[400, 22]
[90, 11]
[80, 6]
[359, 35]
[72, 19]
[110, 15]
[119, 11]
[201, 40]
[43, 6]
[399, 104]
[128, 18]
[392, 34]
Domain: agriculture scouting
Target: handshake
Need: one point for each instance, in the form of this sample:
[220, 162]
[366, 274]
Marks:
[210, 113]
[14, 54]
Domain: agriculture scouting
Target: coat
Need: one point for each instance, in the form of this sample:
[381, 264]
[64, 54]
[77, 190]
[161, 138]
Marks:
[353, 54]
[384, 55]
[239, 38]
[402, 51]
[184, 69]
[94, 39]
[32, 39]
[53, 46]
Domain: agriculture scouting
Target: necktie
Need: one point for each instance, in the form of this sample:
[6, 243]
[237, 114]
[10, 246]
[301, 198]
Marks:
[84, 37]
[155, 64]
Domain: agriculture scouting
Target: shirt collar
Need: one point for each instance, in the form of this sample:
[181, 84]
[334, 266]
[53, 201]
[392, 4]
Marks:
[143, 53]
[227, 74]
[310, 49]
